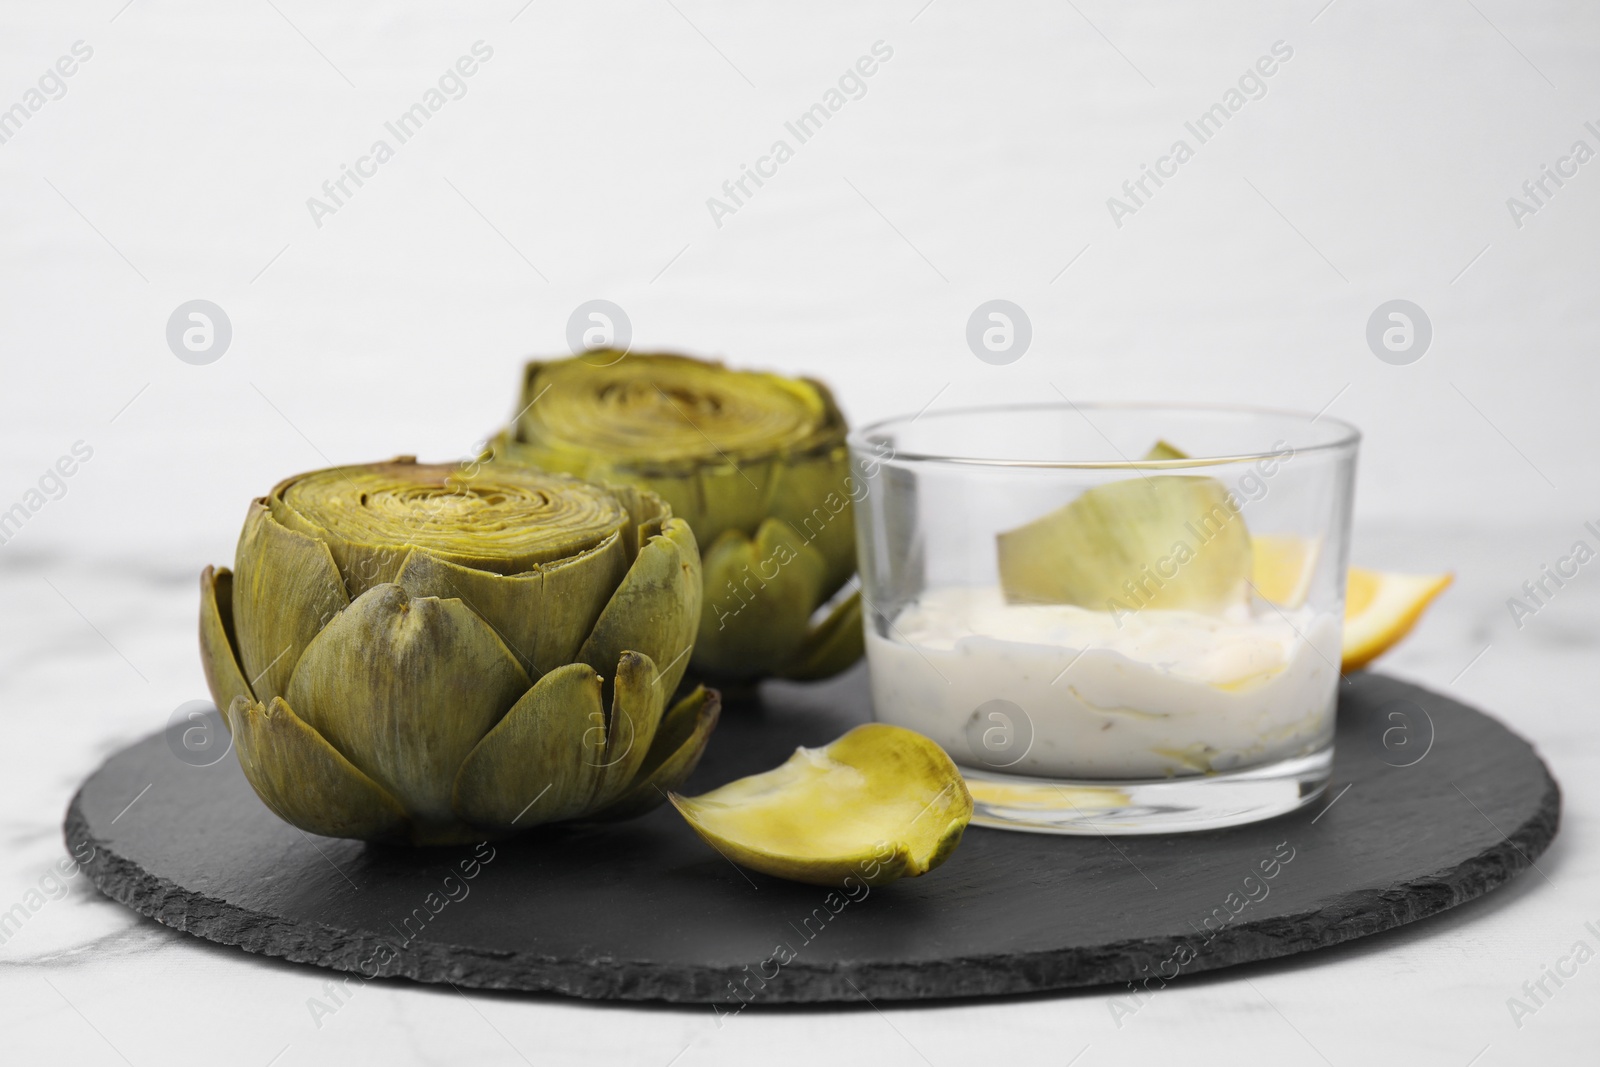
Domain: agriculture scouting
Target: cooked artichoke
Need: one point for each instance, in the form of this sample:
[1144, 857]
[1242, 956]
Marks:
[442, 653]
[880, 803]
[755, 463]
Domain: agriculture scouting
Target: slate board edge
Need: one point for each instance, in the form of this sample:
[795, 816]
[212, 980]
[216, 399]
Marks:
[612, 979]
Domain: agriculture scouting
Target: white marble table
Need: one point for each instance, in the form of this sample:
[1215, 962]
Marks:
[177, 163]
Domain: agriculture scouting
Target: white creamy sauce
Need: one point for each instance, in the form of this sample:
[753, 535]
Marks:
[1149, 694]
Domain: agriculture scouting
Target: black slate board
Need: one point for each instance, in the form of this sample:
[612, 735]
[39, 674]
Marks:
[1432, 804]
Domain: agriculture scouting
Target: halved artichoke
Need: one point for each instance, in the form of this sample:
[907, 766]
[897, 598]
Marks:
[442, 653]
[755, 463]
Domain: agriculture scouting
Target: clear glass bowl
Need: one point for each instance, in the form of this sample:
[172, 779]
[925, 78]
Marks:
[1108, 643]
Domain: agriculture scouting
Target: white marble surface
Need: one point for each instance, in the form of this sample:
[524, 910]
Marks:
[177, 165]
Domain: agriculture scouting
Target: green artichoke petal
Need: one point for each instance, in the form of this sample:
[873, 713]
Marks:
[542, 615]
[759, 598]
[508, 603]
[646, 510]
[678, 485]
[556, 755]
[361, 566]
[679, 743]
[813, 498]
[732, 496]
[574, 595]
[286, 588]
[655, 610]
[710, 500]
[405, 687]
[304, 780]
[832, 645]
[543, 762]
[1164, 450]
[217, 656]
[637, 702]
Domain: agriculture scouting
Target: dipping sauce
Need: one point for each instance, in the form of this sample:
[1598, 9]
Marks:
[1142, 694]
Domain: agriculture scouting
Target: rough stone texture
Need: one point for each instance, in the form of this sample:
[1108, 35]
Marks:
[646, 911]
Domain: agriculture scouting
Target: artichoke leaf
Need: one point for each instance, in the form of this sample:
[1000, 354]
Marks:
[638, 700]
[832, 645]
[1162, 541]
[542, 615]
[575, 593]
[544, 761]
[879, 803]
[360, 565]
[816, 493]
[655, 609]
[509, 603]
[1164, 450]
[218, 657]
[813, 498]
[761, 593]
[646, 513]
[286, 588]
[679, 743]
[734, 495]
[712, 498]
[405, 687]
[304, 780]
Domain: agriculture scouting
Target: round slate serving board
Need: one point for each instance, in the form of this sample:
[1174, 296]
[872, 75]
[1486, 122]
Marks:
[1432, 804]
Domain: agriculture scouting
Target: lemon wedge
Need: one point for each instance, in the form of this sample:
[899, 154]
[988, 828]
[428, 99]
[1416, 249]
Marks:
[879, 803]
[1282, 567]
[1381, 608]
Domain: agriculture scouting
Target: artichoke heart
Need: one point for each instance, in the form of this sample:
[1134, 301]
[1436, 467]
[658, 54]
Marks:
[1162, 541]
[879, 803]
[444, 653]
[755, 463]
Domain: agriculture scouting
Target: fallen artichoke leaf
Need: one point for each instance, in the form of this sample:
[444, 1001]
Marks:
[878, 804]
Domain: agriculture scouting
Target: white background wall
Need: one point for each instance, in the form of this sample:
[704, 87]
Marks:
[591, 141]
